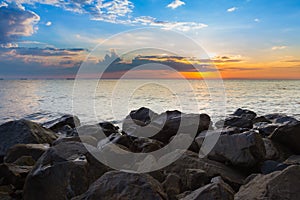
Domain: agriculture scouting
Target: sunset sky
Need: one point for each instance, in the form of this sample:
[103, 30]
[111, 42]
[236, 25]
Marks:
[247, 39]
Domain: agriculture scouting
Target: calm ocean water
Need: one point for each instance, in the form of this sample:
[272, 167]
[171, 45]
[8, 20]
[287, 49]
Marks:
[42, 100]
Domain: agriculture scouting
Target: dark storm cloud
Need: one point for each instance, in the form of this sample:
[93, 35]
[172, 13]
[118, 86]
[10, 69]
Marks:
[16, 22]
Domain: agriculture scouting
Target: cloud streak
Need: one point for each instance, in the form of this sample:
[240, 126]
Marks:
[274, 48]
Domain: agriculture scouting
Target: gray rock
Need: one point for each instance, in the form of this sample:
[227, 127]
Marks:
[33, 150]
[270, 166]
[172, 185]
[57, 125]
[272, 153]
[280, 118]
[293, 160]
[235, 121]
[121, 185]
[14, 174]
[190, 160]
[218, 189]
[265, 129]
[23, 132]
[84, 138]
[277, 185]
[288, 135]
[62, 172]
[196, 178]
[244, 113]
[243, 150]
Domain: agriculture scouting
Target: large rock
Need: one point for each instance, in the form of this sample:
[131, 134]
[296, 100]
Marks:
[121, 185]
[57, 125]
[172, 185]
[33, 150]
[23, 132]
[141, 117]
[243, 150]
[218, 189]
[244, 113]
[84, 139]
[98, 131]
[235, 121]
[64, 171]
[166, 125]
[277, 185]
[264, 128]
[13, 174]
[280, 118]
[190, 160]
[288, 135]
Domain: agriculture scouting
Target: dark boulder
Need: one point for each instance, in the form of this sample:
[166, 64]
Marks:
[23, 132]
[277, 185]
[244, 113]
[121, 185]
[264, 128]
[141, 117]
[242, 150]
[146, 145]
[280, 118]
[196, 178]
[235, 121]
[58, 125]
[98, 131]
[270, 166]
[217, 189]
[14, 174]
[288, 135]
[84, 139]
[190, 160]
[33, 150]
[261, 119]
[172, 186]
[62, 172]
[293, 160]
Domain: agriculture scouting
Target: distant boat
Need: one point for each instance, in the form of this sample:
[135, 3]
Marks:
[1, 79]
[23, 79]
[70, 78]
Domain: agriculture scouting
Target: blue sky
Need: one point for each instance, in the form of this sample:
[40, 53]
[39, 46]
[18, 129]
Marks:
[261, 34]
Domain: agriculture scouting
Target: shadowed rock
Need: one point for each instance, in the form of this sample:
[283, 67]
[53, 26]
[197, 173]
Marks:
[277, 185]
[23, 132]
[121, 185]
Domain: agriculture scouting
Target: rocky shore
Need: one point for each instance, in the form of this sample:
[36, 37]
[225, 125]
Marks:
[255, 157]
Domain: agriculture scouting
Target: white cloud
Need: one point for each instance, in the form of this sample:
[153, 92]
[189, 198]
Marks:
[232, 9]
[175, 4]
[49, 23]
[274, 48]
[257, 20]
[180, 26]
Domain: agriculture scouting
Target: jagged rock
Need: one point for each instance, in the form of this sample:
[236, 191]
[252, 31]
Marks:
[288, 135]
[62, 172]
[122, 185]
[14, 174]
[25, 161]
[235, 121]
[146, 145]
[33, 150]
[6, 191]
[172, 186]
[243, 150]
[190, 160]
[23, 132]
[277, 185]
[57, 125]
[218, 189]
[84, 138]
[244, 113]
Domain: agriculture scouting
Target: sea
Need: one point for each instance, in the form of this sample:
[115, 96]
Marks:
[111, 100]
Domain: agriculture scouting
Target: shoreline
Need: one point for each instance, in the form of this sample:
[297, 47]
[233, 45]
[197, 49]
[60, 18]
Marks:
[249, 151]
